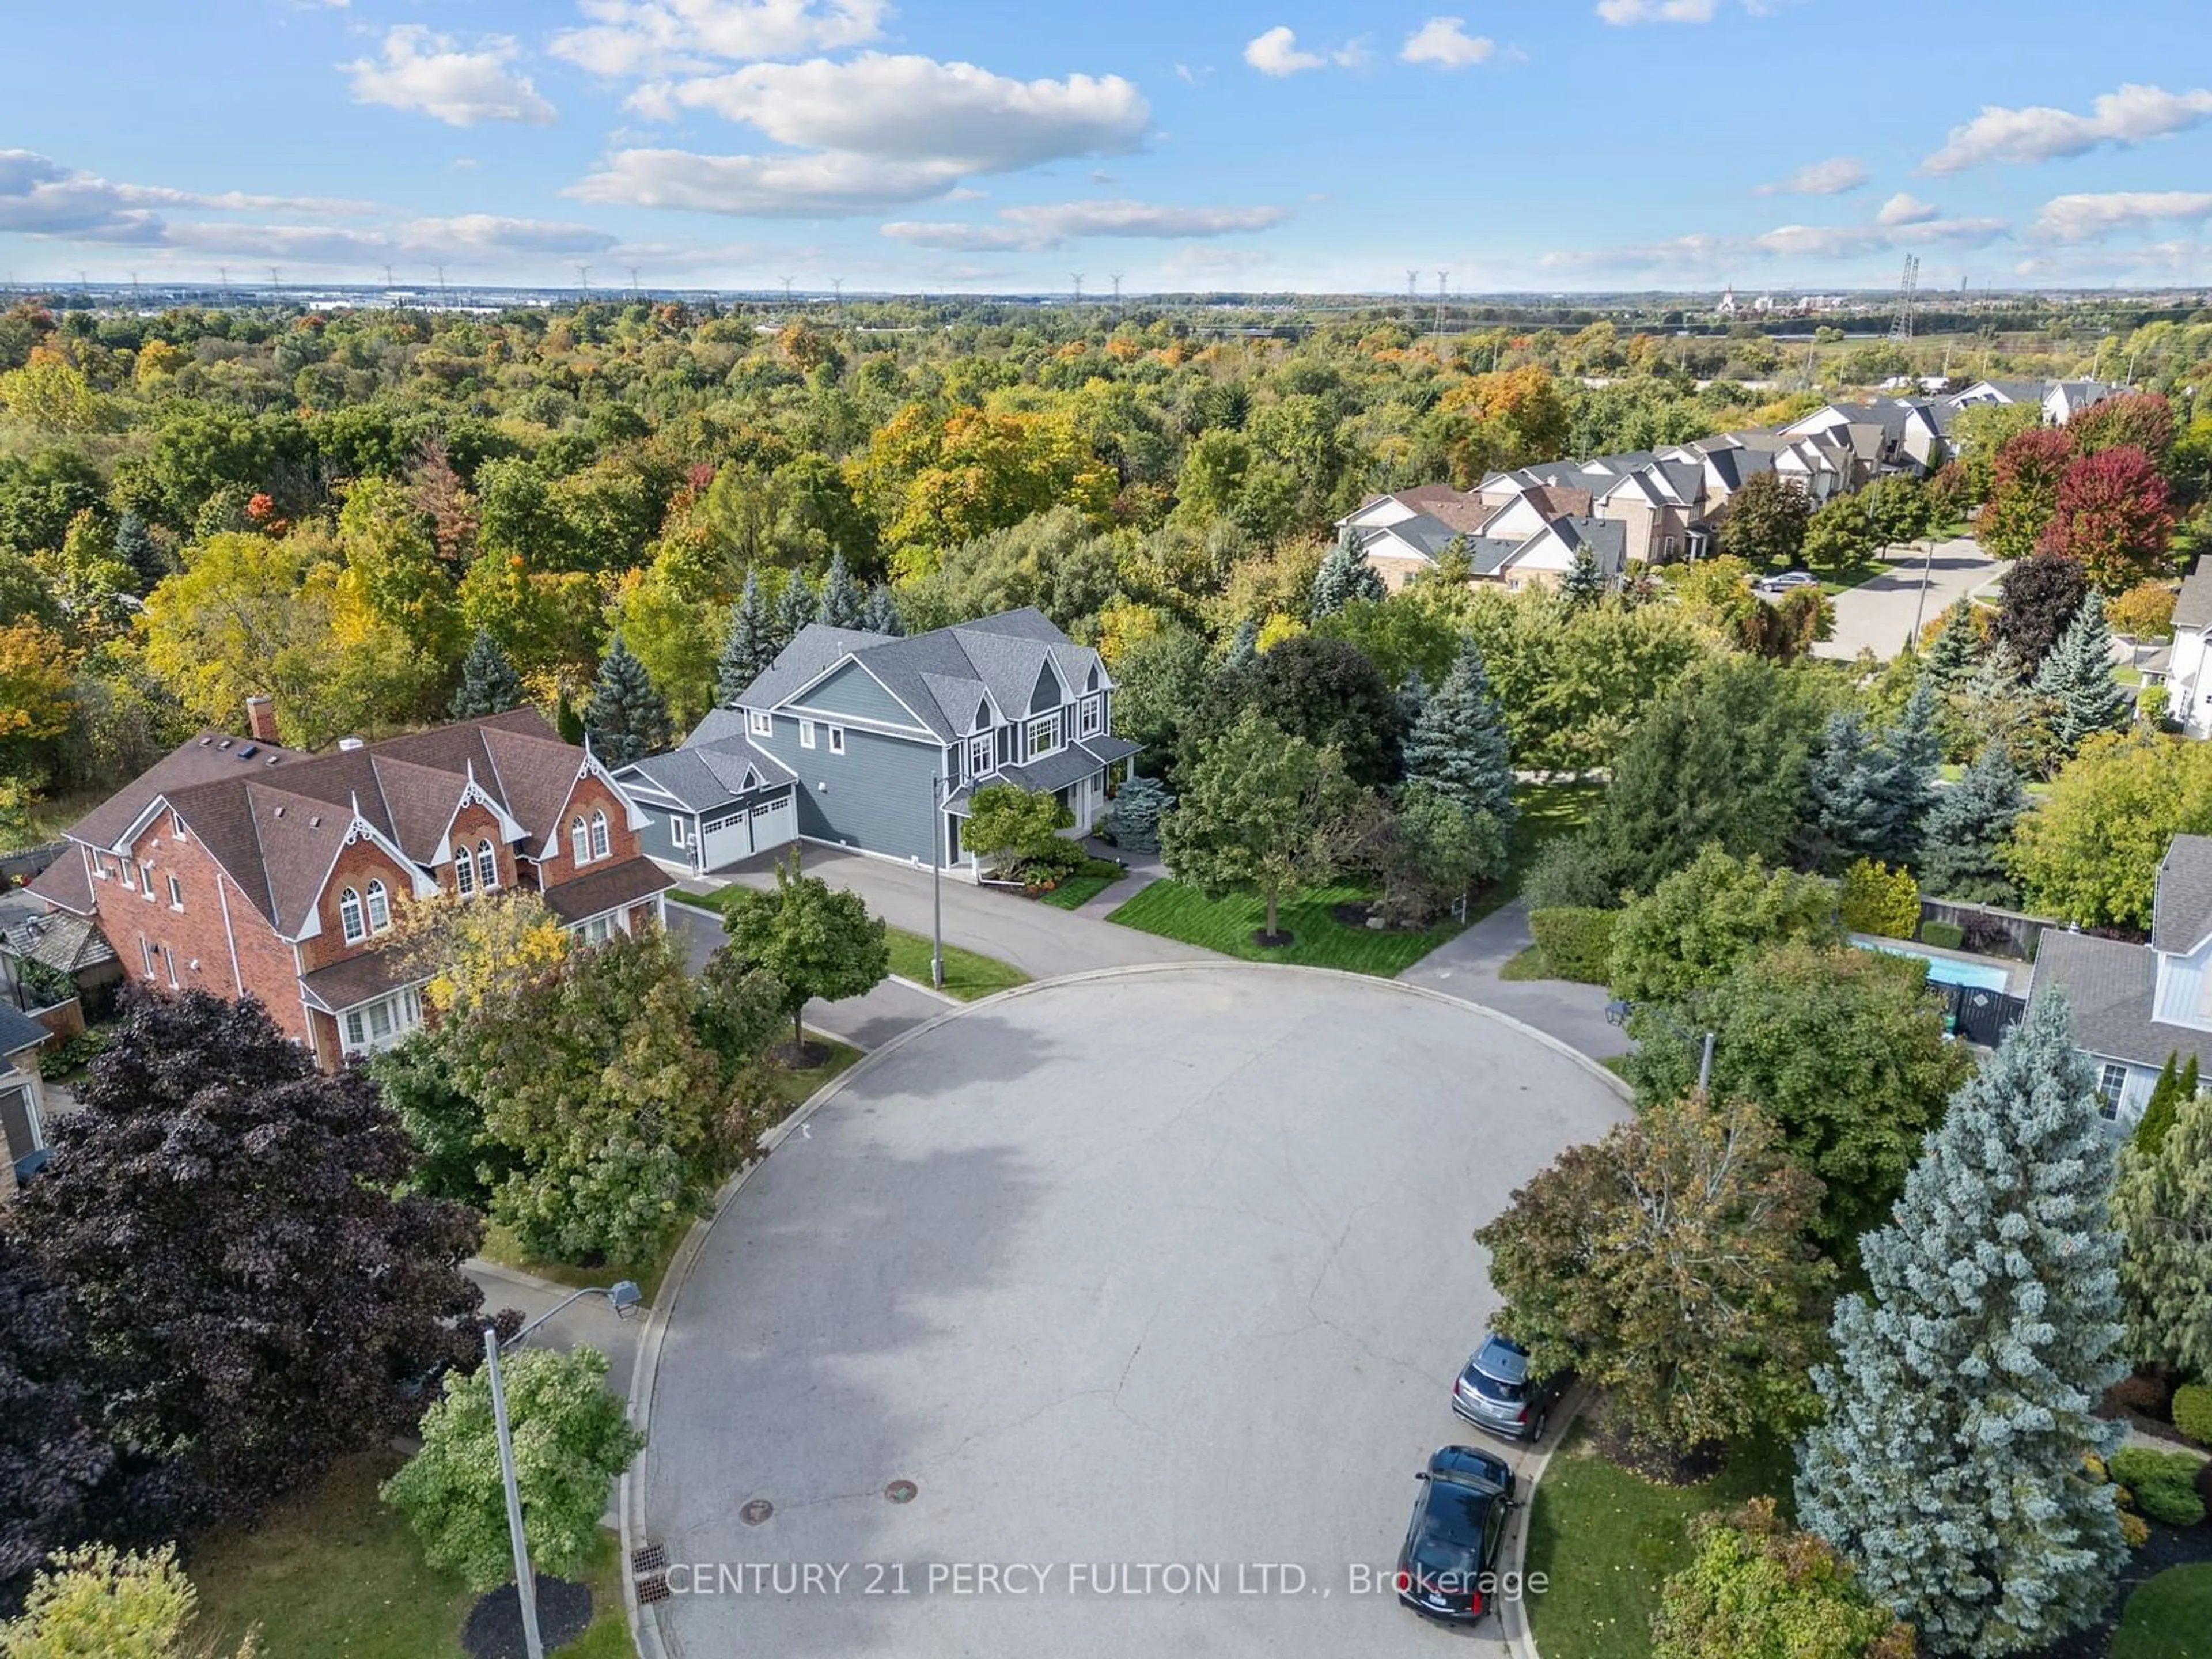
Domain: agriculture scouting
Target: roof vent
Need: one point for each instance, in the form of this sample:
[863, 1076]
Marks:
[280, 812]
[205, 740]
[270, 760]
[225, 743]
[316, 822]
[249, 750]
[349, 743]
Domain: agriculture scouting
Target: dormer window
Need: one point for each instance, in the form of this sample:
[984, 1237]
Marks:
[979, 755]
[379, 907]
[580, 839]
[1044, 736]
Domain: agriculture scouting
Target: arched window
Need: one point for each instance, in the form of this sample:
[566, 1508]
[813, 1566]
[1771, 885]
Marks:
[487, 867]
[350, 916]
[600, 847]
[579, 842]
[465, 877]
[379, 907]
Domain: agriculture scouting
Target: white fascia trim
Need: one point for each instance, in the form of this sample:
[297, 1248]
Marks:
[792, 703]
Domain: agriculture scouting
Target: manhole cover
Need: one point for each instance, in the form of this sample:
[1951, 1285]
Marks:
[756, 1511]
[901, 1491]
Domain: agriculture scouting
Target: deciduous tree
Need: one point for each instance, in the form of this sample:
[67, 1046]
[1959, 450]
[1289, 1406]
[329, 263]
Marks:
[2089, 852]
[2024, 492]
[1947, 1468]
[2112, 514]
[1322, 690]
[818, 940]
[1691, 930]
[1767, 520]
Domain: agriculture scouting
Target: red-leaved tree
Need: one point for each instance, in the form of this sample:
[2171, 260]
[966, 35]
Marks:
[2140, 420]
[2113, 514]
[2024, 491]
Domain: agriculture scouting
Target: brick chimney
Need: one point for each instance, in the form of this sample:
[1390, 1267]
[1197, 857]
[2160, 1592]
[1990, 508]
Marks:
[261, 717]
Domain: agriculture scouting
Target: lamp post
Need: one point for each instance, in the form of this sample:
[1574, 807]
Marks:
[623, 1295]
[1617, 1013]
[938, 795]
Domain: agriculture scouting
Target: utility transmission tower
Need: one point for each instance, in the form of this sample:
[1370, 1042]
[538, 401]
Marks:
[584, 280]
[275, 279]
[786, 294]
[443, 299]
[387, 279]
[633, 282]
[222, 273]
[1078, 285]
[1900, 327]
[837, 296]
[1117, 290]
[1443, 276]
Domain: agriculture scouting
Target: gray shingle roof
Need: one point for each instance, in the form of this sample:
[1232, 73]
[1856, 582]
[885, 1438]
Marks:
[2181, 913]
[940, 675]
[702, 776]
[2194, 608]
[2109, 986]
[18, 1031]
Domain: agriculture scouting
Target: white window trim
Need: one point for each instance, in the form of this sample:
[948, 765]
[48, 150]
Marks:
[602, 842]
[678, 829]
[486, 879]
[146, 881]
[177, 828]
[759, 725]
[836, 739]
[352, 926]
[176, 894]
[169, 966]
[146, 954]
[580, 839]
[2109, 1090]
[980, 753]
[376, 904]
[129, 873]
[806, 734]
[1051, 723]
[464, 875]
[1092, 719]
[402, 1011]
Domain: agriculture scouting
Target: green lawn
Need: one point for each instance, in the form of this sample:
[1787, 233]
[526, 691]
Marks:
[967, 973]
[338, 1575]
[1606, 1539]
[2169, 1617]
[1085, 885]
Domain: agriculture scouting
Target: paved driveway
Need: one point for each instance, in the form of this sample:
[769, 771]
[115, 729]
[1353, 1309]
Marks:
[1878, 616]
[867, 1021]
[1044, 942]
[1161, 1268]
[1467, 967]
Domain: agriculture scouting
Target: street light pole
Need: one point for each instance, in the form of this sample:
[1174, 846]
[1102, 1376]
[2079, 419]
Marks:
[525, 1582]
[623, 1295]
[936, 881]
[1920, 604]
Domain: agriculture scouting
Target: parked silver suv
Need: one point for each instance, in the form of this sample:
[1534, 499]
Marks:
[1495, 1393]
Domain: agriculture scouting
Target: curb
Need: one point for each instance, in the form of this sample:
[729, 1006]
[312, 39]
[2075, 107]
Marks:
[1519, 1638]
[644, 1630]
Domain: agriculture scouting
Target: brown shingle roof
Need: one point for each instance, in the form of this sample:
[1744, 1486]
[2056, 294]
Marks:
[605, 890]
[204, 759]
[347, 984]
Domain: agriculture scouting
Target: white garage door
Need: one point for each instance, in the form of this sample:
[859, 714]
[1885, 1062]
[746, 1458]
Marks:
[723, 840]
[774, 823]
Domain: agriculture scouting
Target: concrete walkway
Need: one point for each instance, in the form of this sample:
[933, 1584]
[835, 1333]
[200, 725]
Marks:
[1141, 871]
[1044, 942]
[1467, 967]
[589, 1321]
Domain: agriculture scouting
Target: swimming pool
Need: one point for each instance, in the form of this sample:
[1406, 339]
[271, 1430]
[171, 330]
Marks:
[1945, 970]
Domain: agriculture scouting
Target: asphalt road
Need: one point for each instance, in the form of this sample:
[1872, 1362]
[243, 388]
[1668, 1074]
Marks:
[1167, 1267]
[867, 1021]
[1878, 616]
[1467, 967]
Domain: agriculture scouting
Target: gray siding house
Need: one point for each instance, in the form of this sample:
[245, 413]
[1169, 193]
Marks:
[868, 742]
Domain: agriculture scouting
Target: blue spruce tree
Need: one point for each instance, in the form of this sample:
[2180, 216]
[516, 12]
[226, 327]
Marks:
[489, 685]
[840, 600]
[1947, 1467]
[627, 719]
[2076, 683]
[1459, 746]
[1243, 645]
[883, 614]
[136, 547]
[1962, 838]
[1345, 575]
[795, 607]
[749, 647]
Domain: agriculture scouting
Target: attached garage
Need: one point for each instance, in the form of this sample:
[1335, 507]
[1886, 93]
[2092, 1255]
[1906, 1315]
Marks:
[738, 832]
[707, 809]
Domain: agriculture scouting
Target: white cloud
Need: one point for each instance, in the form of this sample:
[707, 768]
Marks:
[912, 109]
[2133, 115]
[1445, 42]
[1832, 177]
[1905, 209]
[672, 37]
[1277, 53]
[823, 185]
[1695, 255]
[1038, 228]
[1623, 12]
[467, 239]
[427, 74]
[1708, 256]
[40, 197]
[2088, 218]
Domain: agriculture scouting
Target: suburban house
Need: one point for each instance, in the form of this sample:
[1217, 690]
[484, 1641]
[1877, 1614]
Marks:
[2134, 1004]
[68, 948]
[2183, 664]
[1515, 531]
[874, 743]
[22, 1098]
[1883, 435]
[2061, 400]
[238, 866]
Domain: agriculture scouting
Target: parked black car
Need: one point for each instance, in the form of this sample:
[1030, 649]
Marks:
[1446, 1568]
[1495, 1393]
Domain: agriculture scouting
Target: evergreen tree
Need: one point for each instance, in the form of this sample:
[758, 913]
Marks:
[883, 615]
[2163, 1203]
[2158, 1111]
[1345, 575]
[1963, 837]
[840, 600]
[1845, 810]
[566, 721]
[1905, 775]
[489, 685]
[136, 547]
[1948, 1469]
[1459, 746]
[749, 647]
[1869, 798]
[795, 607]
[2077, 679]
[1582, 586]
[1413, 697]
[628, 721]
[1956, 652]
[1244, 645]
[1135, 819]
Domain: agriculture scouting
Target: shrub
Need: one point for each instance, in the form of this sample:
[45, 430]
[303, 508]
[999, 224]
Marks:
[2142, 1392]
[2135, 1531]
[1758, 1586]
[2093, 1470]
[2144, 611]
[2193, 1412]
[1943, 935]
[1576, 941]
[1690, 932]
[1881, 901]
[1566, 873]
[2164, 1484]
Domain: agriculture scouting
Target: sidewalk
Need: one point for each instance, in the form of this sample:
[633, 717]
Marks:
[590, 1320]
[1467, 968]
[1143, 869]
[867, 1022]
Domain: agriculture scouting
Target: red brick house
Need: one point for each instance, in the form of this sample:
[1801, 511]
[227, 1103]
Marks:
[238, 866]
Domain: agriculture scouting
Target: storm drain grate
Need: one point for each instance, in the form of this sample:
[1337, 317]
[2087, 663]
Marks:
[649, 1557]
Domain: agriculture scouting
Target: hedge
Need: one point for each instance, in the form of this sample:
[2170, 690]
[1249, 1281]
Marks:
[1577, 942]
[1943, 935]
[2193, 1412]
[1881, 901]
[2164, 1484]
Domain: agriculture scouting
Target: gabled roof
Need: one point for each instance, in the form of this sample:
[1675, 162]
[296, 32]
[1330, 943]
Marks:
[938, 676]
[210, 757]
[2181, 913]
[2110, 987]
[2011, 392]
[18, 1031]
[701, 776]
[2194, 608]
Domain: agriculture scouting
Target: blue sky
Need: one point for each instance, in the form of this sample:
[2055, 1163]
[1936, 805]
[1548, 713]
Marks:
[1006, 144]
